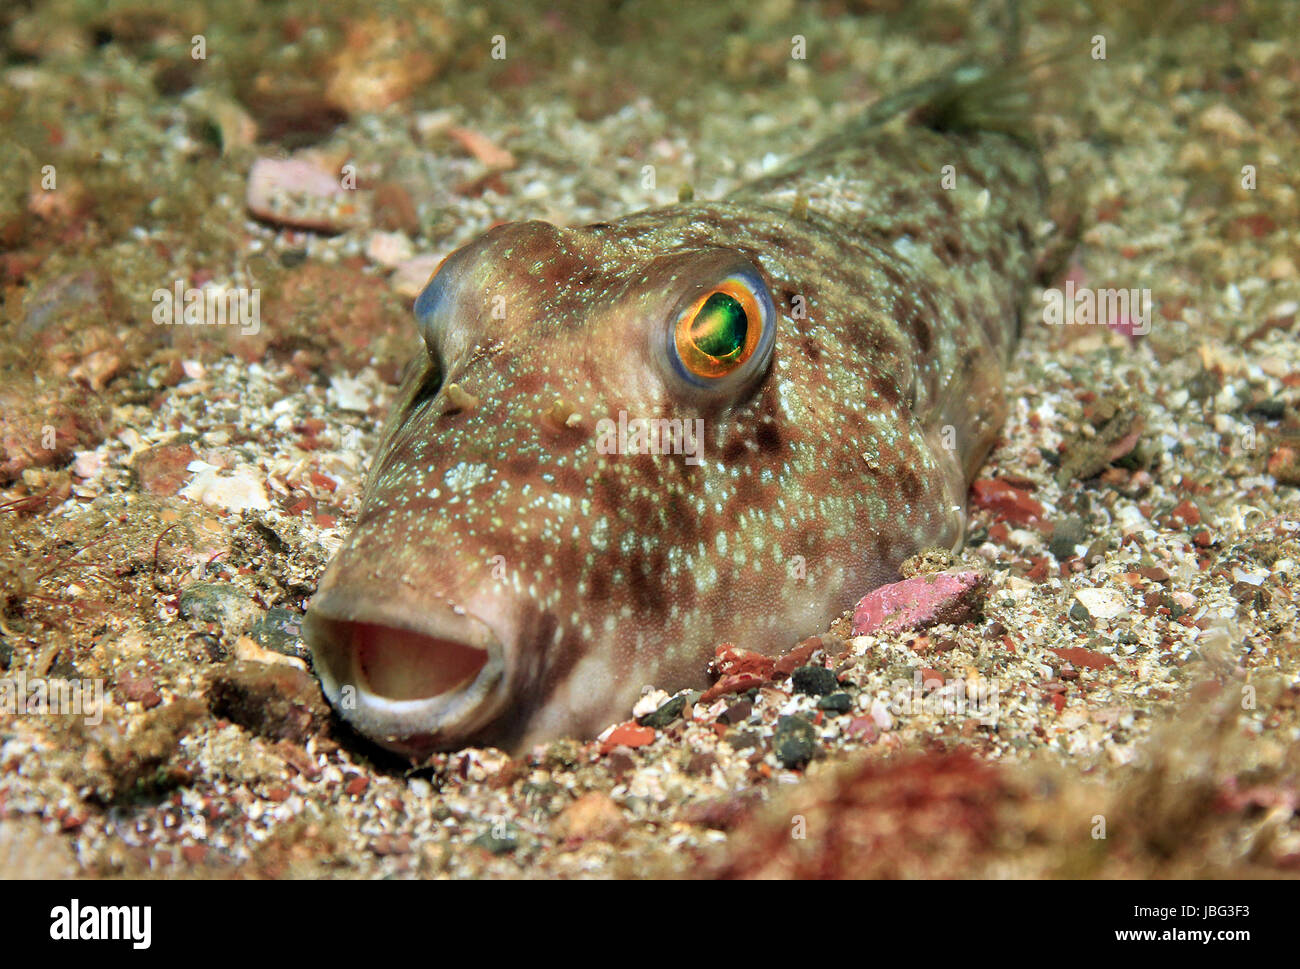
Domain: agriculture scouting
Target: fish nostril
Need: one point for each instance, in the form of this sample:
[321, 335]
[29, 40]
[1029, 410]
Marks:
[400, 664]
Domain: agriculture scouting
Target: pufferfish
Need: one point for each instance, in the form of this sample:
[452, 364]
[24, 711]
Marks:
[542, 535]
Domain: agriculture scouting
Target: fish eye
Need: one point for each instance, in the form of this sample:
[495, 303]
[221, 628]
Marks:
[434, 294]
[437, 303]
[724, 333]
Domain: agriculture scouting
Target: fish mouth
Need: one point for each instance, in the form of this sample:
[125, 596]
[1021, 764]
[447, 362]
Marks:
[415, 682]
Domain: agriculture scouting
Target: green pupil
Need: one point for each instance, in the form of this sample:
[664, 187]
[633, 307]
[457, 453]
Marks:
[719, 327]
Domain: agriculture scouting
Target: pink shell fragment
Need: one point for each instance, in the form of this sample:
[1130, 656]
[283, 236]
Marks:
[299, 193]
[920, 601]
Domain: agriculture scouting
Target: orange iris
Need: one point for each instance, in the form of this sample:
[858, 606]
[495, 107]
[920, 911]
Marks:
[720, 330]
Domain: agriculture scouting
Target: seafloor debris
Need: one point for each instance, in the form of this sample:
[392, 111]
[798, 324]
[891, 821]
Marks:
[272, 700]
[301, 193]
[1111, 431]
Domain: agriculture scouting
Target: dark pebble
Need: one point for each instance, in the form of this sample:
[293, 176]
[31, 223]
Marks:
[737, 712]
[441, 812]
[701, 763]
[276, 701]
[1253, 597]
[6, 655]
[207, 646]
[1079, 613]
[280, 631]
[175, 76]
[814, 680]
[1204, 385]
[1270, 409]
[63, 669]
[619, 762]
[795, 741]
[1068, 533]
[836, 703]
[219, 602]
[666, 714]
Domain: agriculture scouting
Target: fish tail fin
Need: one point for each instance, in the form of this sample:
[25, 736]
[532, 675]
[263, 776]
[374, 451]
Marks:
[975, 96]
[989, 95]
[1000, 98]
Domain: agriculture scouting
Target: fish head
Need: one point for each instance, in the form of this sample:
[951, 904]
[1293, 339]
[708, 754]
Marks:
[537, 538]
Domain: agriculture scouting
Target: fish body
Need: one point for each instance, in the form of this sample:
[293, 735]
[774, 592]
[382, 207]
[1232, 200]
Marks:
[836, 332]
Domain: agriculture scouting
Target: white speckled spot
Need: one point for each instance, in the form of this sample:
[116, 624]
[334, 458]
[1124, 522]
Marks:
[464, 476]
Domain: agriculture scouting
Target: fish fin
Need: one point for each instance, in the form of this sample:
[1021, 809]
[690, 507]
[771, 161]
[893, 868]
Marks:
[1001, 98]
[970, 97]
[975, 98]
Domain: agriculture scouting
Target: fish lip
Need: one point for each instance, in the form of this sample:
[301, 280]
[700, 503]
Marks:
[420, 726]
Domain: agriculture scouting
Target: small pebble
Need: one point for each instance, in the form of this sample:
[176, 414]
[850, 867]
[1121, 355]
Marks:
[814, 680]
[1069, 532]
[280, 631]
[665, 714]
[836, 703]
[795, 741]
[919, 602]
[219, 602]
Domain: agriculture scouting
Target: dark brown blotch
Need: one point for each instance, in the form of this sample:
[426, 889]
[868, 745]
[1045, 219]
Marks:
[768, 438]
[885, 390]
[910, 483]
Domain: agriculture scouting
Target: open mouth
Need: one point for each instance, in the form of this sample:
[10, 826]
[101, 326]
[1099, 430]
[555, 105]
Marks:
[412, 683]
[400, 664]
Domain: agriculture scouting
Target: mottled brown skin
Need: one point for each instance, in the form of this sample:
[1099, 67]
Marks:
[586, 576]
